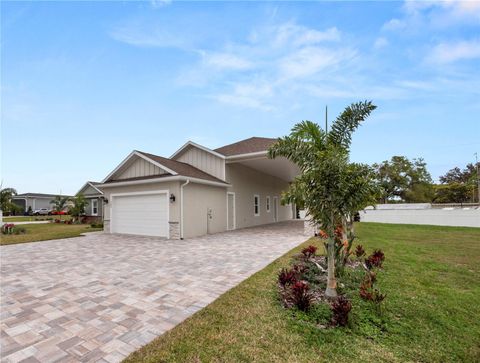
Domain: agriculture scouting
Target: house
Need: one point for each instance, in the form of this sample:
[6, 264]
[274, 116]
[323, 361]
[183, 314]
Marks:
[34, 201]
[94, 197]
[197, 190]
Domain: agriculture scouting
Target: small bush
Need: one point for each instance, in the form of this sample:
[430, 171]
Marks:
[96, 225]
[19, 230]
[285, 277]
[301, 296]
[309, 251]
[359, 251]
[341, 308]
[375, 260]
[367, 290]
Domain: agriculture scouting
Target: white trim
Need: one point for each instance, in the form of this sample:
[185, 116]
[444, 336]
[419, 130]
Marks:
[256, 205]
[191, 143]
[234, 212]
[256, 154]
[91, 206]
[275, 207]
[163, 191]
[267, 204]
[140, 155]
[92, 185]
[165, 179]
[181, 207]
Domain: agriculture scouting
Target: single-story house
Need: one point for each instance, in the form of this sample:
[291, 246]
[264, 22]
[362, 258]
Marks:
[197, 190]
[94, 198]
[34, 201]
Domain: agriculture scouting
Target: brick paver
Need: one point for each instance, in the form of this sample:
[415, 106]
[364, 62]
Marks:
[100, 297]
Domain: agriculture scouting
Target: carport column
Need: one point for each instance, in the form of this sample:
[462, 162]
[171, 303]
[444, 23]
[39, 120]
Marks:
[181, 207]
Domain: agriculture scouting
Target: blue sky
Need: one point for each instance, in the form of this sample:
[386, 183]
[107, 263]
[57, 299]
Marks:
[84, 83]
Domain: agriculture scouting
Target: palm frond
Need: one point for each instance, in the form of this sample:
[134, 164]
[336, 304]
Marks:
[348, 121]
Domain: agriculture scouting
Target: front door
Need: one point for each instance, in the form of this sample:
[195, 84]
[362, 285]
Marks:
[230, 211]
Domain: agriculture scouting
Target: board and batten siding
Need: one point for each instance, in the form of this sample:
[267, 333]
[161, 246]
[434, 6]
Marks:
[204, 161]
[139, 168]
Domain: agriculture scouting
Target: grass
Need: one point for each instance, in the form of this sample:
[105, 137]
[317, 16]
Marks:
[430, 315]
[47, 231]
[13, 219]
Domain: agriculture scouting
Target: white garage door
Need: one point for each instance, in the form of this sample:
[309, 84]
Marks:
[145, 214]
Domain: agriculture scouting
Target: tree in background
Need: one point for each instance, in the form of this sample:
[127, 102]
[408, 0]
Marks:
[78, 207]
[327, 182]
[59, 203]
[404, 180]
[6, 204]
[458, 186]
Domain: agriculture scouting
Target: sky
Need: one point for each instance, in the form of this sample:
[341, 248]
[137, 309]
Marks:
[85, 83]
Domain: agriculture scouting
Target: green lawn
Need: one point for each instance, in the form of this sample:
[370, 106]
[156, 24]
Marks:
[14, 219]
[431, 278]
[42, 232]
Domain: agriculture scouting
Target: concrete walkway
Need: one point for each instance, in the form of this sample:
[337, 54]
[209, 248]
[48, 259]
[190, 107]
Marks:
[100, 297]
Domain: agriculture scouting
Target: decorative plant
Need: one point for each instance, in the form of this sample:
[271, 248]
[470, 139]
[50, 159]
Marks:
[368, 291]
[341, 308]
[301, 295]
[331, 188]
[309, 251]
[287, 277]
[375, 260]
[7, 228]
[359, 251]
[59, 203]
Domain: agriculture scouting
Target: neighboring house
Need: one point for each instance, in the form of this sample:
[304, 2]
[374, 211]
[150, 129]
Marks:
[34, 200]
[197, 190]
[94, 198]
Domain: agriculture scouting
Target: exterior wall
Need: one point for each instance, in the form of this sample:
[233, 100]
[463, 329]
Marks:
[199, 200]
[172, 187]
[439, 217]
[138, 168]
[247, 182]
[89, 190]
[37, 203]
[203, 160]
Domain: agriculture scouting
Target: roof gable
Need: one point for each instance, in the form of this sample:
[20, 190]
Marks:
[89, 188]
[190, 144]
[247, 146]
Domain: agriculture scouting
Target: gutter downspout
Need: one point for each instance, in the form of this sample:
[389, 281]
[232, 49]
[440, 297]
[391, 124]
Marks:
[181, 206]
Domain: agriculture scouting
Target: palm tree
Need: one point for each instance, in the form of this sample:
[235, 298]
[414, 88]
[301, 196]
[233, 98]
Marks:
[324, 183]
[6, 204]
[59, 203]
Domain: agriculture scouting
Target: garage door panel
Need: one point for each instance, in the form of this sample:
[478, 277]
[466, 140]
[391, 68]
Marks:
[140, 214]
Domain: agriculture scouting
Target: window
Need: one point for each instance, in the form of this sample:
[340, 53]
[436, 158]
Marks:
[256, 205]
[268, 204]
[94, 207]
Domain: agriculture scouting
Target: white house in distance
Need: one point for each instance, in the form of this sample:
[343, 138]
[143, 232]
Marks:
[197, 190]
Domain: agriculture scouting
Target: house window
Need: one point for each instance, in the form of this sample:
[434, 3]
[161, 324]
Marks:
[256, 205]
[268, 204]
[94, 207]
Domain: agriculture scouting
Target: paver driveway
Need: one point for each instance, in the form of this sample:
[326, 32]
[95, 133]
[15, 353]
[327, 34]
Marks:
[100, 297]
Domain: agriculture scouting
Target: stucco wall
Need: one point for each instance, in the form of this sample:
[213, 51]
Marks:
[203, 160]
[246, 182]
[440, 217]
[172, 187]
[198, 200]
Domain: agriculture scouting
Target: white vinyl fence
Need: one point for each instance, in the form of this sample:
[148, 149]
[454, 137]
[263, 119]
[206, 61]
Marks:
[466, 217]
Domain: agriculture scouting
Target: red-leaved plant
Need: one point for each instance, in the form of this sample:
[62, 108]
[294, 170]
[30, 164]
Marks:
[359, 251]
[301, 295]
[375, 260]
[309, 251]
[287, 277]
[341, 307]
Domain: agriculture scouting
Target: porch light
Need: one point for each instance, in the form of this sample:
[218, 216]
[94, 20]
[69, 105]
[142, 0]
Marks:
[172, 198]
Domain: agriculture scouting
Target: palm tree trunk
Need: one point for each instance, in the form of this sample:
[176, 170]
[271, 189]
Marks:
[331, 290]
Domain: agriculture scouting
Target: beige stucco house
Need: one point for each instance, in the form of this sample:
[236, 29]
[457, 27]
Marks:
[197, 190]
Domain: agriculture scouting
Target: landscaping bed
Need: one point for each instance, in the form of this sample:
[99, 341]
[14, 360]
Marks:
[430, 278]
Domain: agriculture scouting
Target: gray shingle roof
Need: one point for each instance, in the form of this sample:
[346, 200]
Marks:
[251, 145]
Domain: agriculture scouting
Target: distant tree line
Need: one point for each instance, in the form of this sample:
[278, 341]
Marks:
[408, 181]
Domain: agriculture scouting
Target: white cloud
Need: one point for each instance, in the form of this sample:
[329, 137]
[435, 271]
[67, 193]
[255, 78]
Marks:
[380, 42]
[139, 36]
[444, 53]
[226, 61]
[159, 3]
[311, 60]
[394, 24]
[250, 95]
[292, 34]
